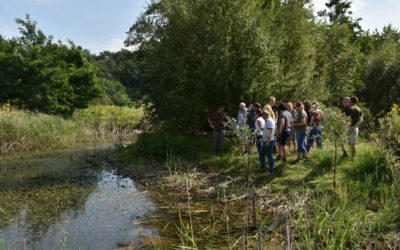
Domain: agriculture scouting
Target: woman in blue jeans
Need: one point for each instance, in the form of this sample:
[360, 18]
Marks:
[300, 125]
[316, 130]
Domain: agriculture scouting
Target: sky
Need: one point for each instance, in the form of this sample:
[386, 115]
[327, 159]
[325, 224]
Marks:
[101, 25]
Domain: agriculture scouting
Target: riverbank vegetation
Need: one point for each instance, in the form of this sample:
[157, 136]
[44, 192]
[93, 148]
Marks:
[297, 206]
[23, 131]
[55, 95]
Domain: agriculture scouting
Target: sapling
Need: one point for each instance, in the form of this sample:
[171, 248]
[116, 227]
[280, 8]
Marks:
[244, 136]
[335, 130]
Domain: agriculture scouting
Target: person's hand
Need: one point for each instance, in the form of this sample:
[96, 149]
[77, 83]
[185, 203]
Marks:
[351, 128]
[212, 126]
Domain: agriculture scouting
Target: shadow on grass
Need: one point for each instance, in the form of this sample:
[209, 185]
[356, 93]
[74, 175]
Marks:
[263, 178]
[319, 167]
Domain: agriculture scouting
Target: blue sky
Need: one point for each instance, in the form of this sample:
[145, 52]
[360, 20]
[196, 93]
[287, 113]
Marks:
[102, 24]
[94, 24]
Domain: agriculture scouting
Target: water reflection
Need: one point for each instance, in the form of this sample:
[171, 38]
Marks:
[62, 201]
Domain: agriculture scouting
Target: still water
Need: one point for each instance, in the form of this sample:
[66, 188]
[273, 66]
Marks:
[61, 201]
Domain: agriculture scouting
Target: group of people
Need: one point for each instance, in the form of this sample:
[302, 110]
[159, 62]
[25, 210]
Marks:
[276, 127]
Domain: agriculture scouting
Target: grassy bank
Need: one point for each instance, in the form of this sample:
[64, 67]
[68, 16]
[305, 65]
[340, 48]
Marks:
[22, 131]
[297, 206]
[106, 119]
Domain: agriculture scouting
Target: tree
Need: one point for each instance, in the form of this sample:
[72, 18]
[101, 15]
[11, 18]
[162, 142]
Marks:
[118, 76]
[339, 58]
[38, 74]
[292, 27]
[195, 55]
[335, 130]
[340, 63]
[339, 12]
[382, 72]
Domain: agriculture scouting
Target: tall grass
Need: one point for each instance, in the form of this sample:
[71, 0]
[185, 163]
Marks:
[22, 131]
[361, 212]
[111, 118]
[26, 131]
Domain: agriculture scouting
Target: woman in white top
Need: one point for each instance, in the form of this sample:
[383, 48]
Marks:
[259, 130]
[269, 140]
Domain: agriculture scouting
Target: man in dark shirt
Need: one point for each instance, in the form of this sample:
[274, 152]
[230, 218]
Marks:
[350, 109]
[357, 118]
[217, 123]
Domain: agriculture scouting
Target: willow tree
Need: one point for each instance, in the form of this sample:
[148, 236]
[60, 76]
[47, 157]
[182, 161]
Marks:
[339, 56]
[195, 55]
[382, 72]
[292, 28]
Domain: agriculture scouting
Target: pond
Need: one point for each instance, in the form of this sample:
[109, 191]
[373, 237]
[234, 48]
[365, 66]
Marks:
[66, 200]
[62, 201]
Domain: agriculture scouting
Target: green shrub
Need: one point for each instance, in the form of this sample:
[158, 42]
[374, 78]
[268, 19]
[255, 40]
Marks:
[390, 126]
[111, 118]
[390, 138]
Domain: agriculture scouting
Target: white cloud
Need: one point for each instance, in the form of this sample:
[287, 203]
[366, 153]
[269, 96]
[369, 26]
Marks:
[319, 5]
[356, 6]
[113, 45]
[374, 14]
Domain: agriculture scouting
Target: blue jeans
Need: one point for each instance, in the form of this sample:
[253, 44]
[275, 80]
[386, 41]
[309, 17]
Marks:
[315, 133]
[301, 142]
[269, 149]
[261, 151]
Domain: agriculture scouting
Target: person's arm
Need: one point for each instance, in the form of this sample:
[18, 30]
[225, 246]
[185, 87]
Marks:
[360, 120]
[209, 122]
[259, 125]
[269, 133]
[281, 125]
[312, 121]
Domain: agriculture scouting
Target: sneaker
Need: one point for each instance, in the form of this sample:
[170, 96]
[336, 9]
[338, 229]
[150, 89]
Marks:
[296, 161]
[278, 158]
[345, 155]
[306, 159]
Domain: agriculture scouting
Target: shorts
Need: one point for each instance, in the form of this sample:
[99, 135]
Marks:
[283, 137]
[353, 136]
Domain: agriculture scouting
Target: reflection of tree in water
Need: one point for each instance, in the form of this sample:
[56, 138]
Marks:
[43, 197]
[46, 207]
[42, 207]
